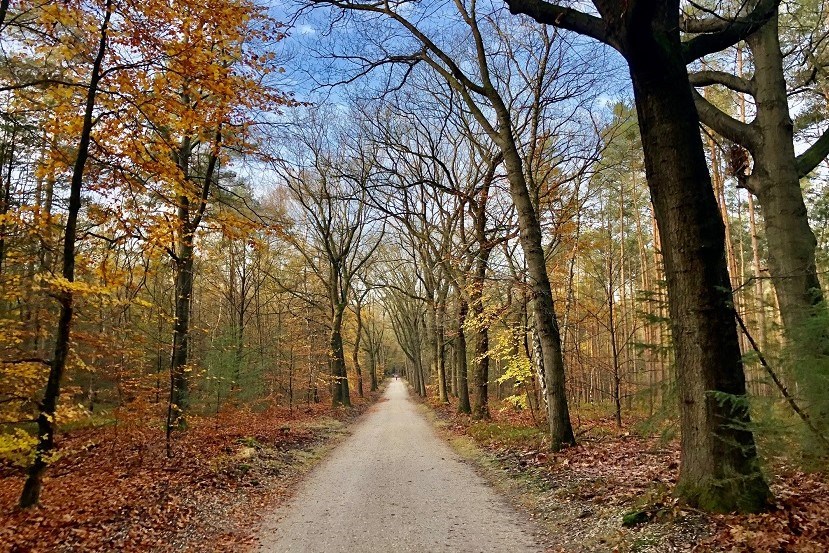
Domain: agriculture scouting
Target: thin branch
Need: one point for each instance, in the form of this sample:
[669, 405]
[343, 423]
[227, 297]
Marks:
[804, 416]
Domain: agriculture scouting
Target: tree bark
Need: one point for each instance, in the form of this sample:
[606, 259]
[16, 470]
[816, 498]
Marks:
[6, 159]
[179, 385]
[423, 376]
[776, 183]
[355, 354]
[433, 336]
[440, 336]
[480, 408]
[374, 345]
[189, 217]
[460, 359]
[46, 417]
[614, 342]
[544, 316]
[340, 394]
[719, 461]
[373, 374]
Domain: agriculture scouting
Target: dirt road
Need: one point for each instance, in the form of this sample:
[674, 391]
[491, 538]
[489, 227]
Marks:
[394, 485]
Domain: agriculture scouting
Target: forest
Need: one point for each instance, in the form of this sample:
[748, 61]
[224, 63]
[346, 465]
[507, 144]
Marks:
[579, 231]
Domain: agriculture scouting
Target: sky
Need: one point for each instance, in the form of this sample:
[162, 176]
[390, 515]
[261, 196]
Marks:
[312, 39]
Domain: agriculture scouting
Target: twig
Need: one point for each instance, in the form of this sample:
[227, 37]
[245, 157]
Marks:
[780, 386]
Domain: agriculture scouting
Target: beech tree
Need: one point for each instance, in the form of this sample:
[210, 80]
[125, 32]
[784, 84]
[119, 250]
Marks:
[125, 109]
[190, 102]
[773, 174]
[719, 469]
[57, 365]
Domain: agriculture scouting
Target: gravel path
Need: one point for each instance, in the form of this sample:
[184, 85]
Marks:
[394, 485]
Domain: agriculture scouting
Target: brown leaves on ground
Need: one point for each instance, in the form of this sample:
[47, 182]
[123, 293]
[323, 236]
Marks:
[799, 520]
[585, 492]
[114, 489]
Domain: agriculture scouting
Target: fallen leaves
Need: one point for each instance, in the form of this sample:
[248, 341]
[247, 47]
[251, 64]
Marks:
[613, 492]
[798, 522]
[117, 491]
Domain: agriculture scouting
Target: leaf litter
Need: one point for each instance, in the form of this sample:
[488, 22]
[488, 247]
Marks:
[114, 489]
[613, 491]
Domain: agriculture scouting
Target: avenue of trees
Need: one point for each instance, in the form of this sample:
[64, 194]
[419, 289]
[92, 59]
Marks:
[516, 205]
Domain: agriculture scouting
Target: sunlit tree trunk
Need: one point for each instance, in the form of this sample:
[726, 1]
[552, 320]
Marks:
[355, 353]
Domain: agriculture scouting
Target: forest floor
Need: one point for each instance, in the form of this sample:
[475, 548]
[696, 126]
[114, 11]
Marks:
[612, 492]
[114, 489]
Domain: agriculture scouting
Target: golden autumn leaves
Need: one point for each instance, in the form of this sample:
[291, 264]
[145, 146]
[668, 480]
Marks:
[181, 85]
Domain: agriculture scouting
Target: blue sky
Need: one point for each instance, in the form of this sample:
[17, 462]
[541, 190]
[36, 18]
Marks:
[311, 37]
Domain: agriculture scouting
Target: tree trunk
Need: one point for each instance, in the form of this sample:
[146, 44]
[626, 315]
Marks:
[46, 417]
[355, 354]
[241, 316]
[775, 180]
[614, 343]
[776, 183]
[373, 374]
[440, 336]
[179, 385]
[423, 376]
[546, 325]
[719, 467]
[375, 358]
[480, 409]
[759, 294]
[339, 378]
[435, 347]
[460, 359]
[183, 263]
[6, 159]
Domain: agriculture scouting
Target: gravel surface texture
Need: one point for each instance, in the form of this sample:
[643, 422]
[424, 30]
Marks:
[394, 485]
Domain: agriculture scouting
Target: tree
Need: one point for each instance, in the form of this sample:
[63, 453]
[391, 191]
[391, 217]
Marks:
[441, 173]
[417, 184]
[774, 178]
[189, 104]
[719, 469]
[330, 188]
[406, 310]
[374, 331]
[128, 108]
[46, 418]
[484, 97]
